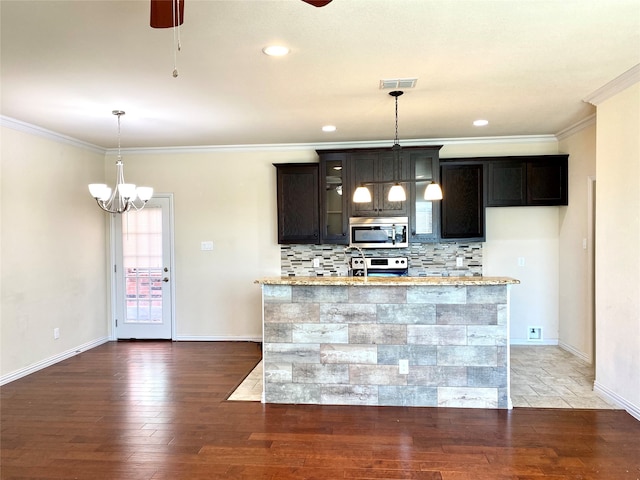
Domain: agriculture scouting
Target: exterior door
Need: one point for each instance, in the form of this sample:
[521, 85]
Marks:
[143, 263]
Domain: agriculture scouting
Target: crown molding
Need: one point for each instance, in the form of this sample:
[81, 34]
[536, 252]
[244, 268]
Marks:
[48, 134]
[615, 86]
[334, 145]
[42, 132]
[576, 127]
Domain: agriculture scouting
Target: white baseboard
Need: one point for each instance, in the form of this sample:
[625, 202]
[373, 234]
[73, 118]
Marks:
[47, 362]
[581, 355]
[533, 343]
[219, 338]
[633, 410]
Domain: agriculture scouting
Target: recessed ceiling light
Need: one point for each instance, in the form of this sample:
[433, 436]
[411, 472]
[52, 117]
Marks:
[481, 123]
[275, 50]
[329, 128]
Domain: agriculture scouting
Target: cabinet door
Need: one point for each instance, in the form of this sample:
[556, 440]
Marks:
[462, 201]
[547, 181]
[389, 170]
[380, 166]
[334, 198]
[298, 205]
[364, 169]
[506, 183]
[425, 214]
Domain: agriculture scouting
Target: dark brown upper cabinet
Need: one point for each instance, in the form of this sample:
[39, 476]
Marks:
[377, 165]
[462, 205]
[298, 203]
[527, 180]
[334, 197]
[424, 218]
[506, 183]
[548, 180]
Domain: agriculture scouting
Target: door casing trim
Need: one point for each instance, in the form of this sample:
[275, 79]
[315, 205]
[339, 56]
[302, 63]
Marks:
[112, 261]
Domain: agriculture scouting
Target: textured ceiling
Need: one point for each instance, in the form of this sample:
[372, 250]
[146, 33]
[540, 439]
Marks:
[525, 65]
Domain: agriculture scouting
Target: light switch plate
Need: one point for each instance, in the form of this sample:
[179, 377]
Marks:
[205, 246]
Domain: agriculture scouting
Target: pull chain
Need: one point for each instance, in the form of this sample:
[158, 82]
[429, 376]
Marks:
[175, 7]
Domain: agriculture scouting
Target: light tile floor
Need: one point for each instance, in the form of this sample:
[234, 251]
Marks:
[541, 376]
[550, 377]
[250, 390]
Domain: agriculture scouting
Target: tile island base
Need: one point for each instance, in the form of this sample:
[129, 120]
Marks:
[343, 341]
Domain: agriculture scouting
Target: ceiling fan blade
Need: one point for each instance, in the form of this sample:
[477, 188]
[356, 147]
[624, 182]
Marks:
[167, 13]
[317, 3]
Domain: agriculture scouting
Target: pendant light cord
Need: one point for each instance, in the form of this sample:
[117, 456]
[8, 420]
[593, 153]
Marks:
[397, 142]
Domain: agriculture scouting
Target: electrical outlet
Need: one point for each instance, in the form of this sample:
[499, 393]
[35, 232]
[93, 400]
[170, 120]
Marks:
[459, 261]
[534, 333]
[56, 333]
[521, 261]
[316, 262]
[403, 367]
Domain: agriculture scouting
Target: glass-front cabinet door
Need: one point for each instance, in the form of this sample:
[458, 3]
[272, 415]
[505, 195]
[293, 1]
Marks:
[334, 193]
[425, 216]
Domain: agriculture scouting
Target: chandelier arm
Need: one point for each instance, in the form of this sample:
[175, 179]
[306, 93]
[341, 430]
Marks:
[117, 203]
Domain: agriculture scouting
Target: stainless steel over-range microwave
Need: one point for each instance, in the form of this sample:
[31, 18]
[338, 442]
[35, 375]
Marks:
[379, 232]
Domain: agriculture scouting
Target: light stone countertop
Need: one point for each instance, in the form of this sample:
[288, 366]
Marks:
[386, 281]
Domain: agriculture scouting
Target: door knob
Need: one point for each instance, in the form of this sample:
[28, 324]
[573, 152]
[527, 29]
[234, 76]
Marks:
[165, 279]
[166, 269]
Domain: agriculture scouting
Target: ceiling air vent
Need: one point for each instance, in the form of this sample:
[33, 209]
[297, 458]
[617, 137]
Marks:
[396, 83]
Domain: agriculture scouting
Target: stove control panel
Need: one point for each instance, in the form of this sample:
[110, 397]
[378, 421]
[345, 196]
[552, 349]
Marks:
[380, 263]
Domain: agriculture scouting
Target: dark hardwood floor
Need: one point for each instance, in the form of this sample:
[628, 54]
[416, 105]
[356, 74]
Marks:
[158, 410]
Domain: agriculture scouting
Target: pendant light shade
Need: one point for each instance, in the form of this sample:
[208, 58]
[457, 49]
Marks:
[362, 195]
[433, 192]
[397, 193]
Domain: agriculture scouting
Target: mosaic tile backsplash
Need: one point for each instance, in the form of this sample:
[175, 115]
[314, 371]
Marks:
[425, 259]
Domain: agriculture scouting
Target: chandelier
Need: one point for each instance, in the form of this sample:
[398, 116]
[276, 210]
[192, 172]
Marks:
[396, 192]
[122, 197]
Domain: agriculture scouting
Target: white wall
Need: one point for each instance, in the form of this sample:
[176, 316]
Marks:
[576, 262]
[52, 252]
[529, 233]
[617, 248]
[230, 199]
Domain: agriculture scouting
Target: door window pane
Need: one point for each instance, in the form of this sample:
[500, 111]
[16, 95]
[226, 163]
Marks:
[142, 259]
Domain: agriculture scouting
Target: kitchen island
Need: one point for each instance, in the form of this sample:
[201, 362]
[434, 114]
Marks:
[404, 341]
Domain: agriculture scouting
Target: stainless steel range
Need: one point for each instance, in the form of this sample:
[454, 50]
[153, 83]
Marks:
[380, 266]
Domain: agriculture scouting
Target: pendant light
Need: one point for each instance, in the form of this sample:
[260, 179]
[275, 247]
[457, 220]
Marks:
[396, 193]
[122, 197]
